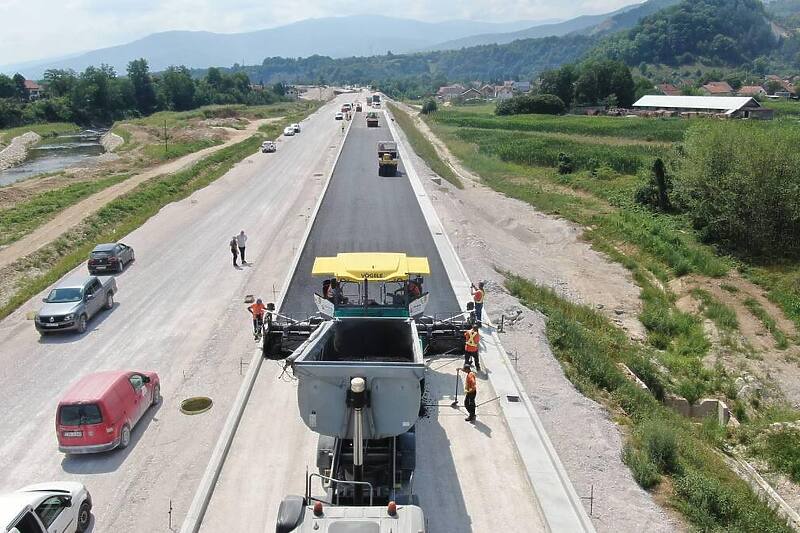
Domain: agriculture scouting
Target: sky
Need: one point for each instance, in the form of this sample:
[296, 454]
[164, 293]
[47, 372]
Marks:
[39, 29]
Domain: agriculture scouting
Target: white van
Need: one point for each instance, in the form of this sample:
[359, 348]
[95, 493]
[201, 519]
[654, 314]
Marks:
[57, 507]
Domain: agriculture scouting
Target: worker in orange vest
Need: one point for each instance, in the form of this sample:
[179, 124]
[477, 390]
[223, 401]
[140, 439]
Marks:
[471, 391]
[472, 340]
[257, 310]
[478, 296]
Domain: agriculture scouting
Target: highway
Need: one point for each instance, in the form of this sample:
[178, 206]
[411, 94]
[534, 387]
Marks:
[179, 312]
[468, 477]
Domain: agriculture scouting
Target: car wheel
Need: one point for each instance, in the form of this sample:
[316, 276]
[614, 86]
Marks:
[84, 517]
[110, 301]
[120, 266]
[156, 395]
[82, 324]
[125, 438]
[133, 257]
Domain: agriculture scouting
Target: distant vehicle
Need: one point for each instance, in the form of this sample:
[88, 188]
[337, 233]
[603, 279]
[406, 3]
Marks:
[268, 147]
[111, 257]
[372, 120]
[338, 116]
[99, 411]
[70, 305]
[296, 127]
[288, 131]
[59, 506]
[387, 158]
[358, 107]
[346, 108]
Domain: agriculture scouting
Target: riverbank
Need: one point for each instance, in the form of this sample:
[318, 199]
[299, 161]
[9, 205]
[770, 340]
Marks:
[16, 152]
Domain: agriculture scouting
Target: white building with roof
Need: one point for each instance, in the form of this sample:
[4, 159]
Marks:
[731, 106]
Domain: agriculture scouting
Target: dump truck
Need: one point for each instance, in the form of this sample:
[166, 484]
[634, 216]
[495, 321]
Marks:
[372, 119]
[387, 158]
[360, 374]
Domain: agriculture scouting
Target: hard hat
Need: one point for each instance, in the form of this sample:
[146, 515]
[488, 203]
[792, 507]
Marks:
[259, 301]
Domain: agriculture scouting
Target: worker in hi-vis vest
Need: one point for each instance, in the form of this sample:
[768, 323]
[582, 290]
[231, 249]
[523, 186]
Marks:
[471, 391]
[472, 342]
[478, 295]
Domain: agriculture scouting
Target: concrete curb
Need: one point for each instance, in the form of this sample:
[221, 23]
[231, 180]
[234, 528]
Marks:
[560, 505]
[202, 496]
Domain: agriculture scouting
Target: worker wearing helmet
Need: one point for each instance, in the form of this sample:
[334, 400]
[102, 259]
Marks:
[257, 310]
[472, 339]
[471, 392]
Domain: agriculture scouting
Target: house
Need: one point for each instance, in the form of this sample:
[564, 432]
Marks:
[718, 88]
[521, 86]
[488, 91]
[668, 89]
[727, 106]
[471, 94]
[33, 90]
[503, 92]
[751, 90]
[448, 92]
[786, 85]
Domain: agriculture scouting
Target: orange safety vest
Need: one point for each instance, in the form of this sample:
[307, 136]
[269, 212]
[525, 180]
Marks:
[470, 384]
[257, 309]
[472, 338]
[478, 296]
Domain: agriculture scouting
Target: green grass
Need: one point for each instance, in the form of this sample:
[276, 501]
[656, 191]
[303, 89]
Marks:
[157, 152]
[26, 216]
[643, 129]
[49, 129]
[783, 108]
[294, 112]
[781, 342]
[781, 450]
[782, 283]
[119, 217]
[723, 316]
[126, 135]
[661, 443]
[423, 147]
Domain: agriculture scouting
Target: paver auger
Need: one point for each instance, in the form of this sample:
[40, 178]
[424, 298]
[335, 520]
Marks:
[361, 377]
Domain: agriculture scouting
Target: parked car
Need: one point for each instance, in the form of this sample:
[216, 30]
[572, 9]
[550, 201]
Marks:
[62, 506]
[296, 127]
[110, 257]
[288, 131]
[268, 147]
[98, 412]
[338, 116]
[71, 304]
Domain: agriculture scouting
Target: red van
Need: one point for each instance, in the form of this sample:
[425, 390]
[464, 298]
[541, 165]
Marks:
[98, 412]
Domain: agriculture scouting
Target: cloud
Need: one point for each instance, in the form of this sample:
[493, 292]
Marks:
[34, 29]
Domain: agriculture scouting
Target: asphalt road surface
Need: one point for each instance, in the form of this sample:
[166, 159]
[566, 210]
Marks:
[468, 477]
[179, 312]
[363, 212]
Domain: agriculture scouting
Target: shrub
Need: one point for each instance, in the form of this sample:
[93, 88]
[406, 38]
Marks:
[661, 446]
[539, 104]
[655, 193]
[644, 471]
[740, 183]
[565, 165]
[430, 106]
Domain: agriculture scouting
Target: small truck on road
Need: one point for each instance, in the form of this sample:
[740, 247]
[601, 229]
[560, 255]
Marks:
[372, 119]
[72, 303]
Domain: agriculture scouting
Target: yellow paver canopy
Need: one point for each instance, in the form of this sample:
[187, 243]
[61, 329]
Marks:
[370, 266]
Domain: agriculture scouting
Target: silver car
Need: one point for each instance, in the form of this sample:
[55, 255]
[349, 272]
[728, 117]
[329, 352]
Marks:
[288, 131]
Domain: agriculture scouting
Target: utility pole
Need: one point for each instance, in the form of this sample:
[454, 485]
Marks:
[166, 145]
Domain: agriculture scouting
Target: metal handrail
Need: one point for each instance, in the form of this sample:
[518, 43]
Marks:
[334, 480]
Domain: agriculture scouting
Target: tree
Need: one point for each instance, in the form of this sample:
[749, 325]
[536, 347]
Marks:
[655, 193]
[773, 86]
[429, 106]
[523, 104]
[19, 87]
[59, 82]
[176, 89]
[559, 82]
[144, 91]
[8, 89]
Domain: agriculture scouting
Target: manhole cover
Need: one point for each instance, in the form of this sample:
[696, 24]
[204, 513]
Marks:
[512, 399]
[318, 175]
[196, 405]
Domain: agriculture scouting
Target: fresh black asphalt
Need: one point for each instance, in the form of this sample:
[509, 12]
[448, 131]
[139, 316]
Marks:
[362, 212]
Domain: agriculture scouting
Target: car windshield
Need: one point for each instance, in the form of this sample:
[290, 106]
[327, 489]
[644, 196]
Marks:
[58, 296]
[101, 254]
[79, 415]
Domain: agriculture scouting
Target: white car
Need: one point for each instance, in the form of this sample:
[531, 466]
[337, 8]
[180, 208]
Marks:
[288, 131]
[296, 127]
[268, 147]
[63, 506]
[338, 116]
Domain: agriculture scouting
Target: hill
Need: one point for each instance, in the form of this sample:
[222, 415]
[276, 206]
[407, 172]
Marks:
[334, 36]
[620, 19]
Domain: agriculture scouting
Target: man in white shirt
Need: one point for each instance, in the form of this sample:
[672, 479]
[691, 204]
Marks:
[241, 241]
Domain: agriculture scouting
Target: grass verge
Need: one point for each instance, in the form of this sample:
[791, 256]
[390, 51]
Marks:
[423, 147]
[16, 221]
[662, 445]
[49, 129]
